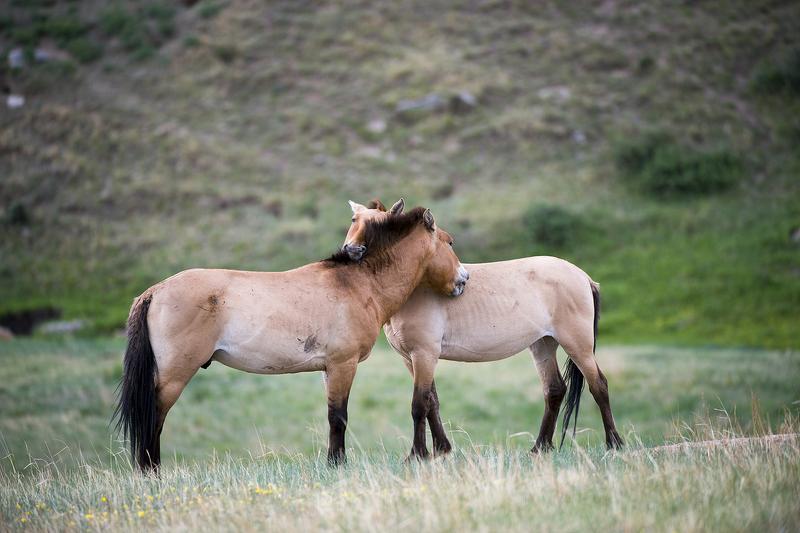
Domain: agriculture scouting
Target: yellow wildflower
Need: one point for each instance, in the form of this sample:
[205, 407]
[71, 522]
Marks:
[88, 516]
[270, 489]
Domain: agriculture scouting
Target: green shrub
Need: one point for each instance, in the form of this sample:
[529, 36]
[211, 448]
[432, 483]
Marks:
[84, 50]
[134, 36]
[208, 10]
[142, 52]
[63, 29]
[676, 170]
[166, 28]
[770, 78]
[191, 41]
[159, 11]
[633, 157]
[6, 23]
[140, 32]
[552, 225]
[660, 167]
[115, 19]
[18, 215]
[25, 35]
[226, 53]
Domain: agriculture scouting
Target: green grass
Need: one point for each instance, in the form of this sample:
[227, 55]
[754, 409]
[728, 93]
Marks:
[247, 452]
[59, 394]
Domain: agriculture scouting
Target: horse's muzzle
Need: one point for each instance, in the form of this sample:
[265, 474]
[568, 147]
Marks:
[354, 251]
[461, 281]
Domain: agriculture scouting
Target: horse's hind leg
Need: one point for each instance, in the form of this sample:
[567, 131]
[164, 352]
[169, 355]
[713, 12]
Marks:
[178, 362]
[554, 388]
[168, 393]
[580, 350]
[441, 444]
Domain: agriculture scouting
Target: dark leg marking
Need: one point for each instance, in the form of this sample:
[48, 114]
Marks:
[441, 444]
[554, 393]
[600, 393]
[337, 419]
[420, 406]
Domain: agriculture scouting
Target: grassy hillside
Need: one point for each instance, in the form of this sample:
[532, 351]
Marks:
[231, 134]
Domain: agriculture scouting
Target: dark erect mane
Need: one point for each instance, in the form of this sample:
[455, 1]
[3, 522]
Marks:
[376, 204]
[379, 237]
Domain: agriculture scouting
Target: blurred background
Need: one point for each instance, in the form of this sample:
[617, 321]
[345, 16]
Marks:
[653, 144]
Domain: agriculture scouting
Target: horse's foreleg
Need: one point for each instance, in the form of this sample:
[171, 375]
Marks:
[554, 388]
[441, 444]
[338, 380]
[423, 365]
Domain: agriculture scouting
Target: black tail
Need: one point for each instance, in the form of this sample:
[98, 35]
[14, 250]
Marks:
[574, 378]
[137, 409]
[596, 300]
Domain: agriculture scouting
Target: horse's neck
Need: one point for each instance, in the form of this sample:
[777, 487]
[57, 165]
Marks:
[394, 283]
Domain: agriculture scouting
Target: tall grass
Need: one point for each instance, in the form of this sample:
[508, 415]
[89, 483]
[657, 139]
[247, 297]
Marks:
[753, 485]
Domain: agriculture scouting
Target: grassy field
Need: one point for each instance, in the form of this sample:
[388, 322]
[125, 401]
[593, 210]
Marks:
[247, 451]
[653, 144]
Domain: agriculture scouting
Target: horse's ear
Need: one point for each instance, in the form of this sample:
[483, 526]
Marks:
[397, 208]
[376, 204]
[357, 208]
[427, 218]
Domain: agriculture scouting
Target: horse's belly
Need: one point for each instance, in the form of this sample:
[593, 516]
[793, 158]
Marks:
[271, 351]
[270, 362]
[477, 351]
[491, 337]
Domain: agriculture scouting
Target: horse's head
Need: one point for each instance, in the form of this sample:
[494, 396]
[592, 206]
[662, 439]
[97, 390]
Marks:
[444, 272]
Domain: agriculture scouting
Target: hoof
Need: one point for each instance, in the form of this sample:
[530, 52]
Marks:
[336, 460]
[615, 442]
[441, 451]
[418, 457]
[542, 447]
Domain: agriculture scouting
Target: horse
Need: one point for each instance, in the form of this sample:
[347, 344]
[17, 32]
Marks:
[537, 303]
[324, 316]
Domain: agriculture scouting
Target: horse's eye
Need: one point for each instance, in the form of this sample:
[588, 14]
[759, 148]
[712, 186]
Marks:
[353, 219]
[451, 243]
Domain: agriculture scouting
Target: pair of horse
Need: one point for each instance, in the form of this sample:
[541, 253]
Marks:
[396, 269]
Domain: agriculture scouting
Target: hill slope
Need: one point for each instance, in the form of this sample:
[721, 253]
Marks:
[231, 134]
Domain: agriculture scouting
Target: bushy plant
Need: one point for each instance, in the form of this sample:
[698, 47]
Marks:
[552, 225]
[84, 50]
[658, 166]
[63, 29]
[209, 9]
[676, 170]
[779, 78]
[115, 18]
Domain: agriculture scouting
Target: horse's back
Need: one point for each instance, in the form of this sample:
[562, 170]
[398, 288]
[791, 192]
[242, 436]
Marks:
[511, 304]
